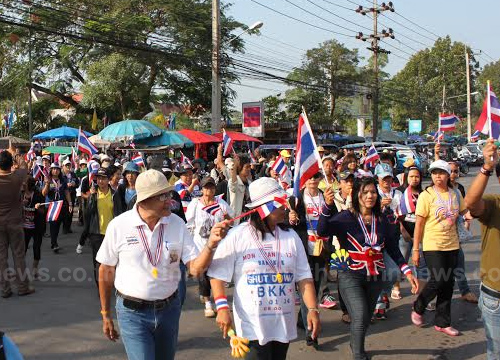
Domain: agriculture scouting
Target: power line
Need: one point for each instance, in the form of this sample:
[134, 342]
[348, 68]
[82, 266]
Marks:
[281, 42]
[412, 30]
[332, 13]
[301, 21]
[414, 23]
[319, 17]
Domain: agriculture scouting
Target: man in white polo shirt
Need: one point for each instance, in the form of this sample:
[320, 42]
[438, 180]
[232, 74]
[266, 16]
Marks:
[140, 255]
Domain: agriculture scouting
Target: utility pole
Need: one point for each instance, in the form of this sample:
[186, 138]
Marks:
[467, 75]
[216, 81]
[374, 39]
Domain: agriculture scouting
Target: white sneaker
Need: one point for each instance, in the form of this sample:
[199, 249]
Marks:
[79, 249]
[209, 313]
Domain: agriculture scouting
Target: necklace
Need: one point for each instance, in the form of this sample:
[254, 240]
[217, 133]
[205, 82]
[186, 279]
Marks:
[159, 249]
[260, 246]
[371, 238]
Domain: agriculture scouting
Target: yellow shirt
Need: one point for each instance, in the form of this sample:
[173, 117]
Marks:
[104, 210]
[334, 184]
[440, 229]
[173, 179]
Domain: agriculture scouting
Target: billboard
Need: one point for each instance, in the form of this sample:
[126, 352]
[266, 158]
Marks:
[253, 119]
[414, 126]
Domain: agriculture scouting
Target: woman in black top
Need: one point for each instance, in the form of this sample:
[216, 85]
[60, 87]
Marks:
[363, 233]
[34, 220]
[55, 189]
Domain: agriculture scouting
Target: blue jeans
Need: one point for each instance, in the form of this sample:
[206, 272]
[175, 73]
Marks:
[360, 295]
[392, 274]
[490, 310]
[182, 283]
[460, 278]
[149, 334]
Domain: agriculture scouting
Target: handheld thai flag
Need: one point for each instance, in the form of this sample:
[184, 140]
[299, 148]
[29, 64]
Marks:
[408, 205]
[185, 160]
[37, 172]
[265, 209]
[212, 209]
[93, 167]
[474, 137]
[74, 158]
[54, 210]
[489, 120]
[280, 166]
[30, 155]
[439, 135]
[447, 122]
[307, 159]
[85, 145]
[372, 156]
[252, 158]
[227, 143]
[138, 160]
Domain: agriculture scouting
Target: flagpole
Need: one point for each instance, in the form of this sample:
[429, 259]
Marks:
[315, 149]
[488, 108]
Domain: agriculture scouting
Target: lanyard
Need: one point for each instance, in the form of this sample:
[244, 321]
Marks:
[372, 238]
[154, 262]
[279, 276]
[316, 207]
[57, 194]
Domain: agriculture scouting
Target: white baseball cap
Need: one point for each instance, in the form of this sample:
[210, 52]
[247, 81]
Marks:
[151, 183]
[264, 190]
[440, 164]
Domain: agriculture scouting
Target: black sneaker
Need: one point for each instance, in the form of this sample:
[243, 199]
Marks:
[312, 342]
[56, 249]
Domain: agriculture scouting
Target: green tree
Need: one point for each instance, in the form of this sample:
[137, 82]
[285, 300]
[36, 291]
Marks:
[328, 73]
[417, 91]
[490, 72]
[167, 42]
[273, 110]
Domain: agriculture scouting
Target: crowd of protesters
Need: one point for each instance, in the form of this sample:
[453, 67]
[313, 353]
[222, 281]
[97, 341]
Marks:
[149, 225]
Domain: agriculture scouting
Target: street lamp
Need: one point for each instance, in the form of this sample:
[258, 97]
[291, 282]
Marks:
[216, 45]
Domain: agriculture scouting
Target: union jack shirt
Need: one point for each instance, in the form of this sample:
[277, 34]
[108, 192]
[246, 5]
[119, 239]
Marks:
[365, 257]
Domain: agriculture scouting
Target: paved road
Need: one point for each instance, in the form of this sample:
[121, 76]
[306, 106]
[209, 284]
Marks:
[62, 321]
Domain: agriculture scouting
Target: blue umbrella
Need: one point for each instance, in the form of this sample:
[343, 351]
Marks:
[64, 132]
[167, 138]
[128, 130]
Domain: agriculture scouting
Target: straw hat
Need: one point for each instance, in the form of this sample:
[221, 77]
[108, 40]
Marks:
[151, 183]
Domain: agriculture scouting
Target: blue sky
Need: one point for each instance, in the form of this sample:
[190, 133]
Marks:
[284, 41]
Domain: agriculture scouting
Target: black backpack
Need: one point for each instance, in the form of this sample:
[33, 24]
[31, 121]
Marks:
[2, 349]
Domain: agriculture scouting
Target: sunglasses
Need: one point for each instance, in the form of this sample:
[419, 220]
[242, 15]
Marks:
[163, 197]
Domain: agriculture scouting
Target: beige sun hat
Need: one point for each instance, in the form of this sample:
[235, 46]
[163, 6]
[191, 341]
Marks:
[151, 183]
[263, 190]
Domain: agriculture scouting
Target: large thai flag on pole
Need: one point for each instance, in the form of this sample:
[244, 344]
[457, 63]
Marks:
[54, 210]
[307, 159]
[489, 120]
[372, 156]
[85, 145]
[447, 122]
[227, 143]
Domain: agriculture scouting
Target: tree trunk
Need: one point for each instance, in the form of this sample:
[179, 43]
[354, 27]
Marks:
[122, 107]
[67, 99]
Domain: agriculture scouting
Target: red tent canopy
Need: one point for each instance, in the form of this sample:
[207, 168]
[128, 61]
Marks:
[237, 136]
[198, 137]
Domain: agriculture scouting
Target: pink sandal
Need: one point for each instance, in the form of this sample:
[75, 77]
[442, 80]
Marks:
[448, 330]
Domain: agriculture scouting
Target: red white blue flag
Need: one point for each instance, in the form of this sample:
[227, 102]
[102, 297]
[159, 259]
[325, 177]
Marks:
[74, 158]
[37, 172]
[212, 209]
[372, 156]
[280, 166]
[307, 159]
[252, 158]
[85, 145]
[54, 210]
[490, 116]
[138, 160]
[447, 122]
[185, 160]
[439, 135]
[227, 144]
[408, 204]
[265, 209]
[474, 137]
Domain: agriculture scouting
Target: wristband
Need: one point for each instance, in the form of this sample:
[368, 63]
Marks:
[486, 172]
[104, 313]
[221, 303]
[313, 309]
[405, 269]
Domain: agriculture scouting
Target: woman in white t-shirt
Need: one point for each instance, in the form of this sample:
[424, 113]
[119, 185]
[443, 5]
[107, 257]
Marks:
[265, 261]
[201, 215]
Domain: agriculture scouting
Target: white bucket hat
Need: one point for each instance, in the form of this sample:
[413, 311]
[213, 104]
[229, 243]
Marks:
[263, 190]
[151, 183]
[440, 164]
